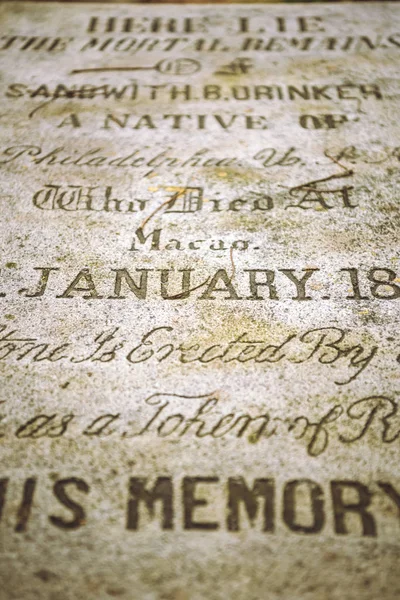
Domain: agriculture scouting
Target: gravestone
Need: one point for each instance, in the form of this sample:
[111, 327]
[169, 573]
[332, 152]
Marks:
[199, 292]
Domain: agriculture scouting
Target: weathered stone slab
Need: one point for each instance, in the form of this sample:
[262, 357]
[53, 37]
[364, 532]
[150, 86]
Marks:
[200, 282]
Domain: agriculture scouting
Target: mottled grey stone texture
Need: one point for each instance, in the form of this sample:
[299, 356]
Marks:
[199, 293]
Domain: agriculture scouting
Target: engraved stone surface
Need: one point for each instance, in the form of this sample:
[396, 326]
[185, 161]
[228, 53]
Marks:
[199, 292]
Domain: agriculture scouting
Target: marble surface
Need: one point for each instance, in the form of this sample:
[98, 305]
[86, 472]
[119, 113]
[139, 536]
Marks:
[199, 293]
